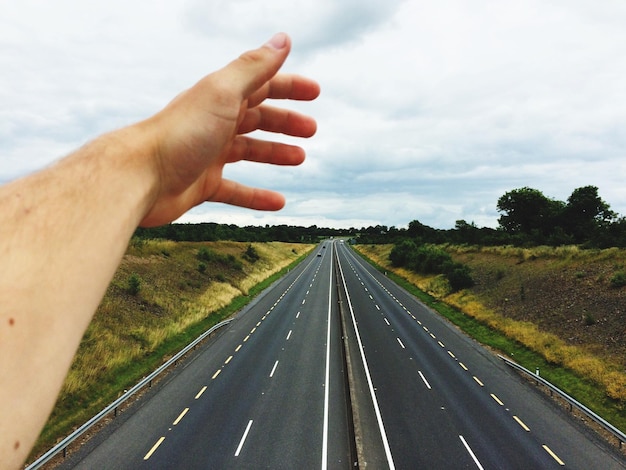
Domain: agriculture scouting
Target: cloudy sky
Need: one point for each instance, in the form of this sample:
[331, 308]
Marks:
[430, 110]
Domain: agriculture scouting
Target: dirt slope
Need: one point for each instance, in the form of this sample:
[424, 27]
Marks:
[567, 293]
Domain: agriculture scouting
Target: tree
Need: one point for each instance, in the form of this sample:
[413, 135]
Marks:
[466, 232]
[528, 212]
[586, 213]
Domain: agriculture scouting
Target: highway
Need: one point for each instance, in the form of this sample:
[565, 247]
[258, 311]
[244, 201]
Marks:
[271, 390]
[443, 400]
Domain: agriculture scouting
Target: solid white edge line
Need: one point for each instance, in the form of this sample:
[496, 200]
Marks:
[327, 373]
[469, 450]
[243, 438]
[381, 427]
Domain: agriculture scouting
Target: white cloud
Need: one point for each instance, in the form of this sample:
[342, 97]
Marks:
[429, 110]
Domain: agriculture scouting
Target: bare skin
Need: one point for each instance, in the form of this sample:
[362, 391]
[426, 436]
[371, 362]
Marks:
[64, 230]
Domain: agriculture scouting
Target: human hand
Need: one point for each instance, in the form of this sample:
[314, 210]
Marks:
[202, 129]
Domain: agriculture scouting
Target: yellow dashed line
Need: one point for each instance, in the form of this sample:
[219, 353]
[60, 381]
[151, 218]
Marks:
[463, 366]
[202, 390]
[497, 400]
[554, 456]
[478, 381]
[180, 416]
[216, 374]
[238, 348]
[154, 447]
[228, 360]
[521, 423]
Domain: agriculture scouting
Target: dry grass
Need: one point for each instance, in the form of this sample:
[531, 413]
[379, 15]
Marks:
[172, 297]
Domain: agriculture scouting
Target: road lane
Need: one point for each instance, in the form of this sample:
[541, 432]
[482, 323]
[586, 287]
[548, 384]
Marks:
[263, 393]
[436, 388]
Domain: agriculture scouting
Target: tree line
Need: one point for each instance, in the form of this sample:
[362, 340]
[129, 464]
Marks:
[213, 232]
[527, 218]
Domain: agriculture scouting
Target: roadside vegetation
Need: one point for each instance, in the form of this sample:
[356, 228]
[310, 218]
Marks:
[164, 295]
[559, 309]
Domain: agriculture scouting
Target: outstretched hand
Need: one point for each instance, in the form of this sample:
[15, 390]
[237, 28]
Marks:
[64, 229]
[203, 129]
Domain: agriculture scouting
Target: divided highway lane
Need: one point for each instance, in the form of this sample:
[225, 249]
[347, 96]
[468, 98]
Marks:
[446, 402]
[268, 392]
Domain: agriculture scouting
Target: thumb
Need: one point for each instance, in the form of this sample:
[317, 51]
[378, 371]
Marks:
[253, 68]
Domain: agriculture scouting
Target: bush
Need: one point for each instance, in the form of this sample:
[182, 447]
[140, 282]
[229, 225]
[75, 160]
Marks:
[134, 284]
[460, 277]
[202, 268]
[402, 252]
[251, 254]
[589, 319]
[618, 279]
[204, 254]
[428, 259]
[207, 256]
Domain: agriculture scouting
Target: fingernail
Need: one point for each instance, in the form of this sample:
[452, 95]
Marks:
[278, 41]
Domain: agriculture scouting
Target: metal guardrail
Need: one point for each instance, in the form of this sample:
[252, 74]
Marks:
[62, 445]
[621, 437]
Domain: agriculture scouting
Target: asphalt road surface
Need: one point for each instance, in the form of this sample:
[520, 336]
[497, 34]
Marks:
[271, 391]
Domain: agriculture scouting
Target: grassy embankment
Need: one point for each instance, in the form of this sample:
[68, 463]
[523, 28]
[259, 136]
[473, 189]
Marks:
[163, 296]
[556, 309]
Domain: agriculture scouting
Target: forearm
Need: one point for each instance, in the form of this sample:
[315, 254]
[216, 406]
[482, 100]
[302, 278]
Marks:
[63, 232]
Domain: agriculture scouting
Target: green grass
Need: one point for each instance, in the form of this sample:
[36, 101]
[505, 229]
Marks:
[581, 389]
